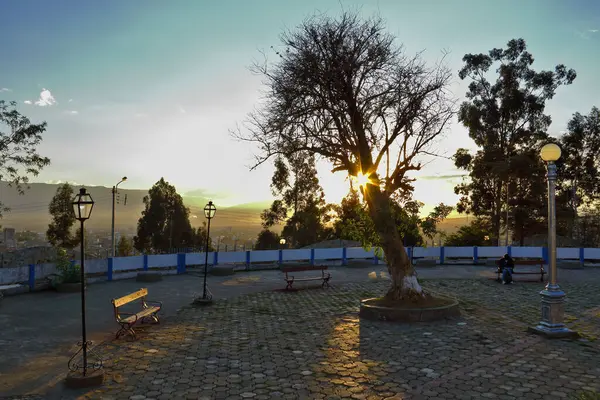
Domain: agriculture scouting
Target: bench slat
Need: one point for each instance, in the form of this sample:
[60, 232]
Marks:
[141, 314]
[525, 262]
[320, 278]
[301, 269]
[130, 297]
[529, 262]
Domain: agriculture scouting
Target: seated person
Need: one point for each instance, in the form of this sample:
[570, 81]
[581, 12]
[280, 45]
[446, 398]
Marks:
[506, 267]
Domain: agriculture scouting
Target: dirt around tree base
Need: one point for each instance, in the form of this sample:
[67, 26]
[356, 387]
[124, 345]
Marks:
[420, 302]
[425, 309]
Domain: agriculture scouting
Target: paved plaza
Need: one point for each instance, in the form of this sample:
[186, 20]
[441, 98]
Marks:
[256, 342]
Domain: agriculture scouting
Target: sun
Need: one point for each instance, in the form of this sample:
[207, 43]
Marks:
[362, 179]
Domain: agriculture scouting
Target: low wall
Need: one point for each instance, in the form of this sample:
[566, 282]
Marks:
[127, 267]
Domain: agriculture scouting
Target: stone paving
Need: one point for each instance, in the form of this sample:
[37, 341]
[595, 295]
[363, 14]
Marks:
[38, 331]
[311, 344]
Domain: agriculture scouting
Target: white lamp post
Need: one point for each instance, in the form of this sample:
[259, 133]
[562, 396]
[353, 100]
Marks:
[553, 298]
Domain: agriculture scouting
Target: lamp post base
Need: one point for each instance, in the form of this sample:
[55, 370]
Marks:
[202, 301]
[76, 380]
[553, 310]
[554, 333]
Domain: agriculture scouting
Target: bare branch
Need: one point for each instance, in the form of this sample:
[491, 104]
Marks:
[342, 89]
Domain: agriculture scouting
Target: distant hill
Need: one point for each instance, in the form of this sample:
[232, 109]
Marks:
[451, 225]
[30, 211]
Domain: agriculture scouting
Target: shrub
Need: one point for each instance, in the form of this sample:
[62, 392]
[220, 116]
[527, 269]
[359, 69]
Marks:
[68, 272]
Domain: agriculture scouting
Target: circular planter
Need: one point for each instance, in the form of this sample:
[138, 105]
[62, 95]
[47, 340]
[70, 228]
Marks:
[370, 310]
[68, 287]
[149, 276]
[222, 270]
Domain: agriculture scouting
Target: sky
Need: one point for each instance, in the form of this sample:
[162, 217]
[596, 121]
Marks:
[151, 89]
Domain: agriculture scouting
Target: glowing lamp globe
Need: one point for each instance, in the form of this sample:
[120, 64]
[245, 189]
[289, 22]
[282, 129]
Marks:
[281, 241]
[550, 152]
[82, 205]
[210, 210]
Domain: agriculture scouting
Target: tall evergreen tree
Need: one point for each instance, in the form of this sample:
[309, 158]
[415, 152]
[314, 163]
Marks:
[165, 223]
[300, 200]
[506, 121]
[579, 165]
[60, 230]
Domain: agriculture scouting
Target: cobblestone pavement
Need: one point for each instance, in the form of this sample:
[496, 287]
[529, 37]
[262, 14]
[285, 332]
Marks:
[39, 330]
[311, 344]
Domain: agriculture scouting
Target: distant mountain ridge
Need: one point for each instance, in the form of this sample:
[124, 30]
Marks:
[30, 211]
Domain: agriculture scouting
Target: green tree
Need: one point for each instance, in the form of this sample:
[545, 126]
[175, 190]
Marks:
[19, 158]
[124, 247]
[301, 202]
[60, 230]
[587, 227]
[506, 120]
[165, 223]
[352, 222]
[477, 233]
[267, 240]
[344, 90]
[578, 182]
[199, 238]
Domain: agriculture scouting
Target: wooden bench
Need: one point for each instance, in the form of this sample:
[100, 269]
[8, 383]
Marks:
[325, 277]
[148, 312]
[539, 262]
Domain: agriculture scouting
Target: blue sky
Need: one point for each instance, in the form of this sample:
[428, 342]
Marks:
[150, 88]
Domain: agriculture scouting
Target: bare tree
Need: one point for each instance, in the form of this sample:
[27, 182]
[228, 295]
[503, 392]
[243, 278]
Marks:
[343, 89]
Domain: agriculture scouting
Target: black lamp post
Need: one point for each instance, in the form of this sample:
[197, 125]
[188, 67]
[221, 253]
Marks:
[209, 212]
[82, 207]
[113, 251]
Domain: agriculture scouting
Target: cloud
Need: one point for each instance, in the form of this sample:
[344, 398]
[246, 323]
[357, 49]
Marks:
[204, 193]
[60, 182]
[70, 100]
[181, 110]
[46, 99]
[4, 89]
[27, 102]
[72, 112]
[587, 33]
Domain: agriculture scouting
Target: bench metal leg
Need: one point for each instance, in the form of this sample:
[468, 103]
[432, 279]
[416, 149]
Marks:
[125, 329]
[289, 284]
[326, 281]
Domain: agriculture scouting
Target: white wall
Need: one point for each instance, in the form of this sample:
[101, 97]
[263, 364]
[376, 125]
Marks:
[124, 267]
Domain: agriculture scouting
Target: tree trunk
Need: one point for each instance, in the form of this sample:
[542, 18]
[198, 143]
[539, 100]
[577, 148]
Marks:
[405, 286]
[497, 213]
